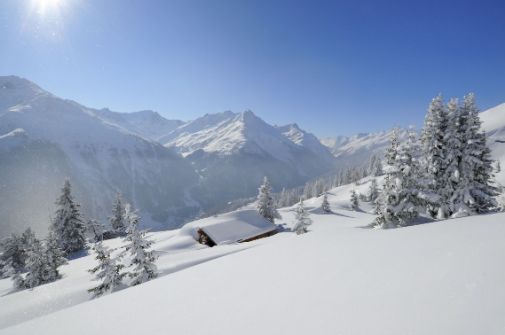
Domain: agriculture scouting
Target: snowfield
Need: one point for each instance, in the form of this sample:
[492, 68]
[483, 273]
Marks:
[444, 277]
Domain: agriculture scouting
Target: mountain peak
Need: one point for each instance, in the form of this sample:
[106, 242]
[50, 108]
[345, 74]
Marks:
[248, 115]
[13, 83]
[16, 90]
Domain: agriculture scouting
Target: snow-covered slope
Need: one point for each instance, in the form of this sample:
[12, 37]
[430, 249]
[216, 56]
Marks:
[443, 277]
[240, 148]
[44, 139]
[147, 123]
[493, 122]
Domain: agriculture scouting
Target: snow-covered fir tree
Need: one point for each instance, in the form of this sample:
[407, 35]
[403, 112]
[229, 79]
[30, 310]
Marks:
[54, 258]
[142, 263]
[27, 238]
[67, 225]
[325, 205]
[354, 200]
[473, 191]
[117, 219]
[402, 195]
[386, 217]
[409, 189]
[266, 205]
[433, 149]
[302, 219]
[36, 266]
[12, 256]
[373, 190]
[108, 272]
[453, 154]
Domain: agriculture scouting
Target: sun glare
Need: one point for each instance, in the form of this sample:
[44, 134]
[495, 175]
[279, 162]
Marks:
[46, 6]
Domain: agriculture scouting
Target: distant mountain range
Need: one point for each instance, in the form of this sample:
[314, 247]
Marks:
[171, 170]
[350, 151]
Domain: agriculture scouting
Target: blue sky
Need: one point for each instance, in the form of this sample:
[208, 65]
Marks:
[334, 67]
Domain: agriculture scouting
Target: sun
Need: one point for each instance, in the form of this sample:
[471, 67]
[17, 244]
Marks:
[46, 6]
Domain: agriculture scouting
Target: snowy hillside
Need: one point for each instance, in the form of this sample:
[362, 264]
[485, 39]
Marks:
[45, 139]
[493, 122]
[441, 277]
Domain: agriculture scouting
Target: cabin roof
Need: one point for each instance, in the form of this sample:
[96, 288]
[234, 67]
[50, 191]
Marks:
[242, 226]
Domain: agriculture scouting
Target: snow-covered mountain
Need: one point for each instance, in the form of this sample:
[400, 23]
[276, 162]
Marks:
[148, 124]
[356, 150]
[240, 148]
[228, 133]
[44, 139]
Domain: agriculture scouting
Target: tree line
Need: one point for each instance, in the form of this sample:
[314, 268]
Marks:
[31, 262]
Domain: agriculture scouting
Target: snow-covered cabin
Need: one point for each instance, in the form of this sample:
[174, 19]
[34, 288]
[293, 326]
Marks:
[240, 226]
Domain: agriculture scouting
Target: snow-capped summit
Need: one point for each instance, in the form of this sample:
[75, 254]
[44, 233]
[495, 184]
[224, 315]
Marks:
[227, 133]
[305, 139]
[15, 90]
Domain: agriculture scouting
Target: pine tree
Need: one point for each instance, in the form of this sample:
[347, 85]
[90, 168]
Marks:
[54, 258]
[354, 200]
[498, 167]
[386, 216]
[325, 205]
[453, 155]
[12, 256]
[67, 225]
[117, 220]
[27, 238]
[36, 266]
[107, 272]
[373, 190]
[433, 148]
[302, 219]
[473, 192]
[408, 189]
[265, 205]
[142, 260]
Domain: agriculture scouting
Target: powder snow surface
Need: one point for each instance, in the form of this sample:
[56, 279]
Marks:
[442, 277]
